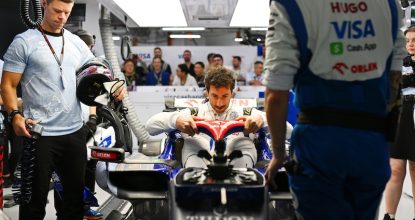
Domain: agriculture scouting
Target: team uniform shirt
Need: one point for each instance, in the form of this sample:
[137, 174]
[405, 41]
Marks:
[190, 81]
[252, 76]
[336, 56]
[48, 95]
[166, 121]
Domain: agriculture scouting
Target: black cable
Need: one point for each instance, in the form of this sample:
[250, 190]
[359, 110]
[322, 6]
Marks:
[111, 91]
[22, 189]
[125, 42]
[25, 14]
[24, 174]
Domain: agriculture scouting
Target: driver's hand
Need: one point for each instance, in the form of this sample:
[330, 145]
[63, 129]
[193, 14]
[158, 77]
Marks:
[273, 166]
[252, 123]
[187, 124]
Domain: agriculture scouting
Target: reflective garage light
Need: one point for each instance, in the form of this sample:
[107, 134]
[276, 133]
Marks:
[154, 13]
[183, 29]
[116, 38]
[259, 29]
[250, 13]
[186, 36]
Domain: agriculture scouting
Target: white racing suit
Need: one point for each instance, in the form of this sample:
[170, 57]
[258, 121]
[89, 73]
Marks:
[166, 122]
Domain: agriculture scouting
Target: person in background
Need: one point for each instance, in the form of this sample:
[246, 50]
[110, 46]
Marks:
[237, 71]
[210, 61]
[131, 77]
[339, 153]
[402, 151]
[183, 78]
[157, 76]
[259, 58]
[255, 78]
[165, 67]
[140, 69]
[200, 73]
[88, 38]
[217, 60]
[187, 57]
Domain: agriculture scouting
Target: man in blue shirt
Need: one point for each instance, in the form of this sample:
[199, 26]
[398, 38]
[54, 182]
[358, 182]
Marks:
[44, 61]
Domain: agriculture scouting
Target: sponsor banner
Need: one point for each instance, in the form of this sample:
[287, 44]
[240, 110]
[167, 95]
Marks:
[187, 103]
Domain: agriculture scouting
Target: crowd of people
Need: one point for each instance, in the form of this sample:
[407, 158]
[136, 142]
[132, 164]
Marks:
[159, 71]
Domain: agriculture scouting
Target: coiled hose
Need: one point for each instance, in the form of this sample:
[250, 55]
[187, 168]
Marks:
[22, 186]
[106, 34]
[125, 42]
[24, 13]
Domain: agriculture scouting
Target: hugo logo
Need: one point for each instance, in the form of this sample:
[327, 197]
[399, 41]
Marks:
[345, 7]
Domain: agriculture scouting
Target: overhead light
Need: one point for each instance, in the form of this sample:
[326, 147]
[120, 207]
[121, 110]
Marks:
[183, 29]
[259, 29]
[116, 38]
[258, 39]
[154, 13]
[246, 7]
[238, 39]
[186, 36]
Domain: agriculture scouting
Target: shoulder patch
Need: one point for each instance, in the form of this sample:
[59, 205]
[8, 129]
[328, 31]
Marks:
[247, 110]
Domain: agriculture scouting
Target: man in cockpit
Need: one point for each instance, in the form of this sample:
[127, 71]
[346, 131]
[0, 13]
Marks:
[219, 84]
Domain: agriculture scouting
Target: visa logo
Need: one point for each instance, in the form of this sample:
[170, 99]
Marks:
[354, 29]
[144, 56]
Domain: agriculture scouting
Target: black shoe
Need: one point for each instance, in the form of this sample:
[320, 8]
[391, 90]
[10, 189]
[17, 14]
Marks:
[387, 217]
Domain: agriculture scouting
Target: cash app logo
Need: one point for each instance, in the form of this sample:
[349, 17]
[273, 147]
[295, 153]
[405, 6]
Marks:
[336, 48]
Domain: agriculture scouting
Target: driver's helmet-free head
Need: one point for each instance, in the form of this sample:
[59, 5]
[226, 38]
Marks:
[90, 79]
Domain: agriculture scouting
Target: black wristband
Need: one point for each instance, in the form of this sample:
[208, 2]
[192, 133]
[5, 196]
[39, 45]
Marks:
[13, 113]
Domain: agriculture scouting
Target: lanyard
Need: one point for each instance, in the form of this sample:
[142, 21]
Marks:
[59, 61]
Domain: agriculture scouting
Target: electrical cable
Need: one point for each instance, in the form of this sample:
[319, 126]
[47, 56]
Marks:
[125, 42]
[24, 174]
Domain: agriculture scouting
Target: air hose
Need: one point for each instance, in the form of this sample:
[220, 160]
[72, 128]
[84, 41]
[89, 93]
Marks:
[125, 42]
[22, 187]
[106, 34]
[25, 14]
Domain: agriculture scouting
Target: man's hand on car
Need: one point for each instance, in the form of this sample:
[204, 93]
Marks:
[252, 123]
[186, 124]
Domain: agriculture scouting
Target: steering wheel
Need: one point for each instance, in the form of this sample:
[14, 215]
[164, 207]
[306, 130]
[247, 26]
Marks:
[218, 130]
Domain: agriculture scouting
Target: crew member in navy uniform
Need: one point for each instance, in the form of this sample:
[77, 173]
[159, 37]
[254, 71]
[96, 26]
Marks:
[339, 57]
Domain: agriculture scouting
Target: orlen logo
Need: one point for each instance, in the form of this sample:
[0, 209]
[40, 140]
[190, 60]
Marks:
[345, 7]
[355, 69]
[339, 67]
